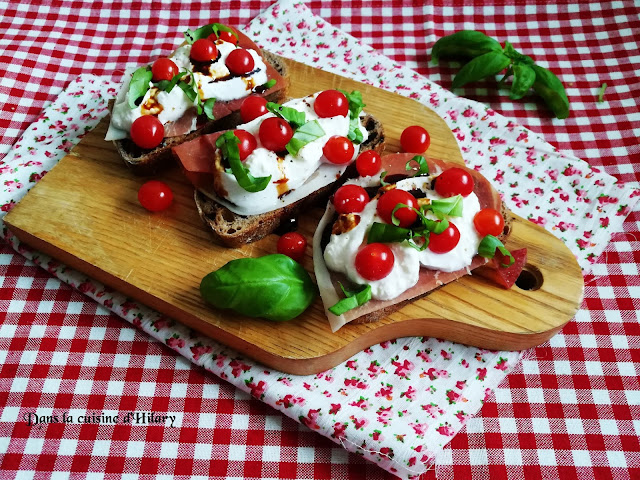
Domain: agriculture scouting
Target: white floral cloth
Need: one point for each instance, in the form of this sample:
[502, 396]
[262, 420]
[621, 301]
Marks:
[398, 403]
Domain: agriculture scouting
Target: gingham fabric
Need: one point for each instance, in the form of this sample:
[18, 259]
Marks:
[572, 409]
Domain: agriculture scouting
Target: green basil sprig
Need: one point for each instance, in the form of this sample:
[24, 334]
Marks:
[488, 246]
[203, 32]
[487, 58]
[228, 145]
[464, 44]
[274, 287]
[353, 299]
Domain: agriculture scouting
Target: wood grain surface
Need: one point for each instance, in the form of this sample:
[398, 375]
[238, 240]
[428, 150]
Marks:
[85, 213]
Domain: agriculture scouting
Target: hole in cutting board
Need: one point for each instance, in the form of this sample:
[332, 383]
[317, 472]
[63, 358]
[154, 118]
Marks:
[530, 278]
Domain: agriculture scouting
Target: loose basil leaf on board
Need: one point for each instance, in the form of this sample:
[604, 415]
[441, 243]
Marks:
[480, 67]
[228, 145]
[274, 287]
[550, 88]
[353, 299]
[307, 133]
[423, 167]
[295, 118]
[464, 44]
[203, 32]
[139, 85]
[523, 78]
[488, 246]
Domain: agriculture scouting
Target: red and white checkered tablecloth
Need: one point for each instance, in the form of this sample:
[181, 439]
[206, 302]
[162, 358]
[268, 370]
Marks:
[570, 410]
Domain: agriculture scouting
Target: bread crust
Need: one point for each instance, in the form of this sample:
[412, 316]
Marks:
[149, 162]
[232, 230]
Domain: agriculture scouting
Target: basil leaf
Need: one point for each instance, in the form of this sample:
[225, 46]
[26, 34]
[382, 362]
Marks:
[228, 145]
[523, 78]
[488, 246]
[307, 133]
[353, 299]
[480, 67]
[355, 108]
[291, 115]
[167, 85]
[203, 32]
[423, 168]
[268, 85]
[139, 85]
[189, 92]
[464, 44]
[550, 88]
[274, 287]
[355, 134]
[603, 87]
[385, 233]
[451, 206]
[435, 226]
[382, 177]
[516, 56]
[208, 108]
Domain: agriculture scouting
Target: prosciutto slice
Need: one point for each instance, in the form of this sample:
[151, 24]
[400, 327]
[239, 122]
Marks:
[428, 279]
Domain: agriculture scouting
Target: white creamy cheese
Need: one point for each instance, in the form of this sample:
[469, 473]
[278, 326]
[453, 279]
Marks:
[218, 84]
[290, 173]
[340, 252]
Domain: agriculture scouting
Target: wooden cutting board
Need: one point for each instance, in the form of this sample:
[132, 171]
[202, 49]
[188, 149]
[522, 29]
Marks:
[85, 213]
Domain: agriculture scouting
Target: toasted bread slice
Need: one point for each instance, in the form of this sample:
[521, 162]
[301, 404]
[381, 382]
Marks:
[428, 280]
[227, 116]
[233, 230]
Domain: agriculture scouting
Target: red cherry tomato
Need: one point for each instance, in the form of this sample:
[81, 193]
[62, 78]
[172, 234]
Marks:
[368, 163]
[338, 150]
[446, 241]
[275, 133]
[331, 103]
[488, 222]
[293, 245]
[147, 132]
[247, 143]
[389, 200]
[253, 107]
[350, 199]
[454, 181]
[224, 35]
[155, 195]
[375, 261]
[240, 61]
[415, 139]
[203, 50]
[164, 69]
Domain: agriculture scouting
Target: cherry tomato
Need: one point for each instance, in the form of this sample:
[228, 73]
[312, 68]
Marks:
[147, 132]
[164, 69]
[331, 103]
[338, 150]
[275, 133]
[240, 61]
[247, 143]
[388, 201]
[446, 241]
[224, 35]
[350, 199]
[375, 261]
[454, 181]
[203, 50]
[293, 245]
[489, 222]
[253, 107]
[368, 163]
[155, 195]
[415, 139]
